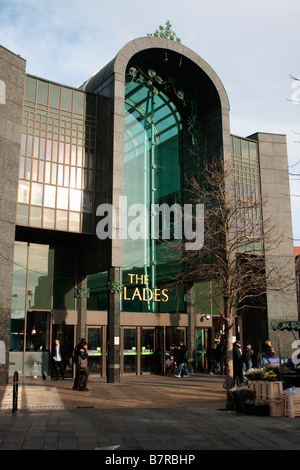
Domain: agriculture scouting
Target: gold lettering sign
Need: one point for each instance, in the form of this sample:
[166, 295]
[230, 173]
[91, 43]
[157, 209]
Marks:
[144, 294]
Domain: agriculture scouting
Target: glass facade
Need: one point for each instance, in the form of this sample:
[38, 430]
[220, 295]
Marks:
[152, 176]
[32, 279]
[56, 175]
[245, 162]
[173, 128]
[44, 279]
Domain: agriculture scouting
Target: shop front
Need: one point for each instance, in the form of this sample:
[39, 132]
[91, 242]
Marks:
[30, 342]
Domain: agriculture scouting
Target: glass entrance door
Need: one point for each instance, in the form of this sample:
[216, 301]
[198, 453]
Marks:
[129, 350]
[95, 350]
[65, 334]
[147, 350]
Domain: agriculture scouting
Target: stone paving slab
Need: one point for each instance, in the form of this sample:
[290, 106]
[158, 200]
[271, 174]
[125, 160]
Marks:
[142, 415]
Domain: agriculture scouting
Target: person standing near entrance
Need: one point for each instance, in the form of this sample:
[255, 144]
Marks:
[57, 360]
[181, 357]
[82, 367]
[79, 348]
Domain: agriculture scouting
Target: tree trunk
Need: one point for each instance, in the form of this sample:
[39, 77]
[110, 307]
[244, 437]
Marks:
[229, 315]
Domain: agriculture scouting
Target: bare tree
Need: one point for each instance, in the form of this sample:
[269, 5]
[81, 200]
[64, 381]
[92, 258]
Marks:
[234, 249]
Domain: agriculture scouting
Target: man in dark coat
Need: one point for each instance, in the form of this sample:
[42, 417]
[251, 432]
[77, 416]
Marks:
[237, 363]
[181, 360]
[58, 357]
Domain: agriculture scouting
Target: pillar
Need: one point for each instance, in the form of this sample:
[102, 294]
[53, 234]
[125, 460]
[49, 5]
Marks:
[113, 325]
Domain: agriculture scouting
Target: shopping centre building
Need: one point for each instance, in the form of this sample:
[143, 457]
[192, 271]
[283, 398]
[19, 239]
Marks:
[68, 156]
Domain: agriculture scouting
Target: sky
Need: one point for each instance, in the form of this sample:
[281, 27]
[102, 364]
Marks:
[252, 46]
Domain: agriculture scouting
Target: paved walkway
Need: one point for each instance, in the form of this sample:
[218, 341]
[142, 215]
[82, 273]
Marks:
[156, 413]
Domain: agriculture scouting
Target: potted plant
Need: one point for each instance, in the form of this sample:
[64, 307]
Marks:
[241, 395]
[261, 407]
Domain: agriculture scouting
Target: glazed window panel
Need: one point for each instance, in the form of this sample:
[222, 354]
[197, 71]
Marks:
[66, 99]
[34, 174]
[30, 88]
[48, 172]
[22, 167]
[37, 331]
[22, 214]
[43, 88]
[73, 177]
[54, 98]
[39, 277]
[36, 194]
[36, 142]
[42, 148]
[67, 154]
[29, 145]
[28, 169]
[60, 175]
[19, 275]
[62, 198]
[23, 144]
[78, 102]
[24, 192]
[61, 220]
[75, 200]
[87, 204]
[35, 216]
[17, 330]
[49, 218]
[74, 221]
[41, 171]
[50, 196]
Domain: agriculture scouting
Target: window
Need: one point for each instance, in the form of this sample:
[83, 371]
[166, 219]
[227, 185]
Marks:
[53, 139]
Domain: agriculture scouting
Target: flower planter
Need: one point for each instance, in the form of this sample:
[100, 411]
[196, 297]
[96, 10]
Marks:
[237, 403]
[249, 408]
[261, 410]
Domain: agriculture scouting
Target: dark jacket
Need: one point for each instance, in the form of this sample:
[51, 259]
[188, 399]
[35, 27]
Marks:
[61, 349]
[180, 354]
[268, 350]
[237, 357]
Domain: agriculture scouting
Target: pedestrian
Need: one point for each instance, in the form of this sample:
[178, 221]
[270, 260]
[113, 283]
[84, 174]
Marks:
[181, 357]
[77, 350]
[237, 364]
[268, 350]
[211, 357]
[222, 354]
[82, 367]
[248, 357]
[57, 356]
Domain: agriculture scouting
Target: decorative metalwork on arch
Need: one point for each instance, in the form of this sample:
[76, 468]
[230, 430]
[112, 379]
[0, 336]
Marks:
[151, 111]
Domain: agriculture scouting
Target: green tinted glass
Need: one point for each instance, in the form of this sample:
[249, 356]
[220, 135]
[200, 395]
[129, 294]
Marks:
[152, 175]
[39, 277]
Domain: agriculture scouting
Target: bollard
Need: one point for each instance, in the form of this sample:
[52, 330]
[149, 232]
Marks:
[15, 391]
